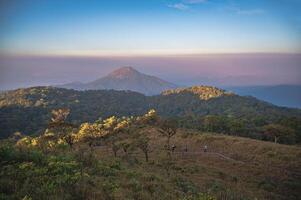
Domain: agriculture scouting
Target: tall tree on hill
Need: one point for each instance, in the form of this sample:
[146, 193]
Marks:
[59, 115]
[115, 148]
[278, 132]
[168, 128]
[293, 123]
[58, 119]
[142, 142]
[60, 127]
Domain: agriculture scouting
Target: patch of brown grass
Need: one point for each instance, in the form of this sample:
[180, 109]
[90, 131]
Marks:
[256, 169]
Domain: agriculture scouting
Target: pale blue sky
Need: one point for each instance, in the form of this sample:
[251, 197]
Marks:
[78, 27]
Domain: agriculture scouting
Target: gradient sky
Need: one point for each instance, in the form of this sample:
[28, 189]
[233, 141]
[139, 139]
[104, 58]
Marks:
[110, 27]
[217, 42]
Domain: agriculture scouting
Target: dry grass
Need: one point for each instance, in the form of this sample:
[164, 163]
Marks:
[233, 168]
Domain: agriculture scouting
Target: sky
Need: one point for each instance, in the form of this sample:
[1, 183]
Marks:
[229, 42]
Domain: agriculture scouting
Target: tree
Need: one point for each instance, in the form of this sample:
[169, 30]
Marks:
[168, 128]
[69, 139]
[150, 118]
[278, 132]
[125, 145]
[214, 123]
[143, 143]
[17, 136]
[110, 123]
[237, 126]
[115, 148]
[91, 134]
[295, 124]
[60, 115]
[58, 124]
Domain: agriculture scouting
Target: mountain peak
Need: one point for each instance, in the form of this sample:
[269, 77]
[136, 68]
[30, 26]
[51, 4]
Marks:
[127, 78]
[124, 72]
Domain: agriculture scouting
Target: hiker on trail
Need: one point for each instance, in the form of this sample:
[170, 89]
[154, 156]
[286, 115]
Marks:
[173, 147]
[205, 148]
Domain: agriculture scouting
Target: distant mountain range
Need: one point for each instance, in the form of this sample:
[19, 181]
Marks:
[128, 78]
[281, 95]
[125, 78]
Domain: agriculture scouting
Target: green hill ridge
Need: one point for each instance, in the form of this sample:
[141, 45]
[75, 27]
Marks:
[28, 110]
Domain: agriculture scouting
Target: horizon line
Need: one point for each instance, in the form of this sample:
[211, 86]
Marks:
[140, 54]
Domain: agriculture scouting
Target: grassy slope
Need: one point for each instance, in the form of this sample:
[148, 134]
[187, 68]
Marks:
[251, 169]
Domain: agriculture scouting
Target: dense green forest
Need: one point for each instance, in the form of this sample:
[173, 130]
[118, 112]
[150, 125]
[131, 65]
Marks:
[144, 157]
[202, 108]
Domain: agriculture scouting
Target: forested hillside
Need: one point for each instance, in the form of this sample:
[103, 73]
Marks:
[203, 108]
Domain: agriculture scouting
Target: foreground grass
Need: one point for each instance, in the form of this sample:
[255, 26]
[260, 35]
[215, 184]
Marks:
[233, 168]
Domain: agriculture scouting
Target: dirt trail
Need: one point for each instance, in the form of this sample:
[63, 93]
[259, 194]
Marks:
[210, 154]
[183, 153]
